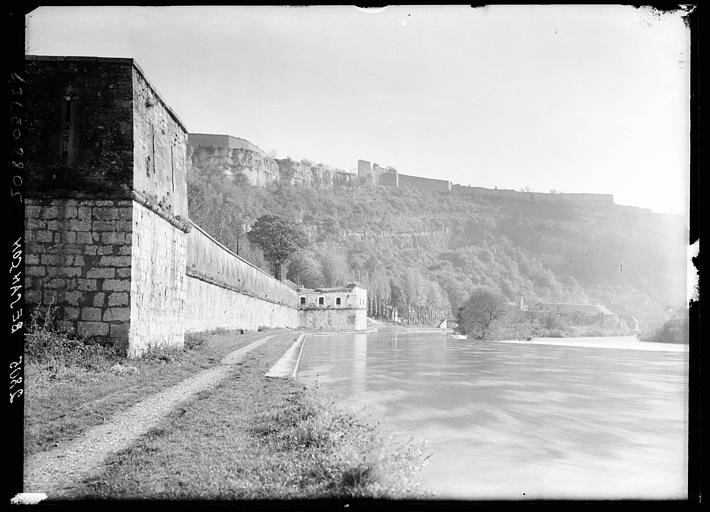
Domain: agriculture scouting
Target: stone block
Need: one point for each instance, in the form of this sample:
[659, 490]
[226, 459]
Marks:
[33, 296]
[84, 213]
[116, 261]
[117, 285]
[79, 225]
[123, 272]
[101, 273]
[99, 299]
[113, 238]
[70, 237]
[35, 271]
[72, 297]
[57, 238]
[50, 212]
[91, 249]
[43, 236]
[71, 313]
[117, 314]
[105, 250]
[56, 284]
[84, 237]
[87, 285]
[35, 223]
[91, 313]
[32, 212]
[51, 259]
[70, 212]
[103, 225]
[92, 328]
[73, 271]
[31, 259]
[52, 225]
[118, 299]
[118, 330]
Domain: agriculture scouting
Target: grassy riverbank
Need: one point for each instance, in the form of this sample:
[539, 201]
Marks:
[248, 438]
[73, 384]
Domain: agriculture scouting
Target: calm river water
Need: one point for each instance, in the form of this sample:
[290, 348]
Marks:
[580, 418]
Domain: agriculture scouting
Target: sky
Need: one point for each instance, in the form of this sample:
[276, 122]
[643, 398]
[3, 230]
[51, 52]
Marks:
[566, 98]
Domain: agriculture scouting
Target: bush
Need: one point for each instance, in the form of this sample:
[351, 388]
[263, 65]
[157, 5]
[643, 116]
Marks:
[47, 344]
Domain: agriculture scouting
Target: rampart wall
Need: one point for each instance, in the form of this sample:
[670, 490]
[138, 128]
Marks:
[424, 183]
[107, 240]
[601, 199]
[226, 291]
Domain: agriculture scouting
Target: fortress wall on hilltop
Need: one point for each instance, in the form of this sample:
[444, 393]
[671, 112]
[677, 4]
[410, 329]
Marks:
[424, 183]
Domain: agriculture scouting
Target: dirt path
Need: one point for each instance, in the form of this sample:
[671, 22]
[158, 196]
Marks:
[54, 472]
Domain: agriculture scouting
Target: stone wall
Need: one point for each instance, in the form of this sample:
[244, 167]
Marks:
[158, 282]
[424, 183]
[107, 238]
[159, 150]
[389, 179]
[211, 306]
[79, 130]
[79, 259]
[333, 319]
[227, 291]
[579, 198]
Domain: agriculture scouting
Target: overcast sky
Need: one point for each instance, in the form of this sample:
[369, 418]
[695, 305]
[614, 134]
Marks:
[571, 98]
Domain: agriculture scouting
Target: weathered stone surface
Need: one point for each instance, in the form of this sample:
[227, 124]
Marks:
[92, 328]
[91, 313]
[210, 307]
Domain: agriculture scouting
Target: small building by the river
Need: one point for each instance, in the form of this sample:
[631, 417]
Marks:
[337, 309]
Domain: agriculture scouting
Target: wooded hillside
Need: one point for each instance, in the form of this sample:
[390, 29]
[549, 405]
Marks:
[424, 252]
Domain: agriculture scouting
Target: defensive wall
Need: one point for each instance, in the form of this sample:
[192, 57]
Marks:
[601, 199]
[107, 236]
[227, 291]
[390, 177]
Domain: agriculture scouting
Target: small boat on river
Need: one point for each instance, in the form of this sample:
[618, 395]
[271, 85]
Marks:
[459, 336]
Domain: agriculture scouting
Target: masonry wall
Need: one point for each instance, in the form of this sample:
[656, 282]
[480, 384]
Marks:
[223, 290]
[79, 129]
[389, 179]
[159, 223]
[78, 258]
[333, 319]
[424, 183]
[158, 286]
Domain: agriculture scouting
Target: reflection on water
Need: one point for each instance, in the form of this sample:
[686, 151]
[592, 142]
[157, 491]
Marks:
[519, 420]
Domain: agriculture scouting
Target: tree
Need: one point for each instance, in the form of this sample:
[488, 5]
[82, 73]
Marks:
[304, 270]
[278, 239]
[481, 309]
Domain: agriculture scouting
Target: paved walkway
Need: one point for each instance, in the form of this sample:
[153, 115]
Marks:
[54, 472]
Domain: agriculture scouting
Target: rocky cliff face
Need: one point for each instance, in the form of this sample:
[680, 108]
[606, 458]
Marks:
[311, 175]
[252, 166]
[238, 159]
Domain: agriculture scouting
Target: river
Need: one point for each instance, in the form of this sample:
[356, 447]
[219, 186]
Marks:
[591, 418]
